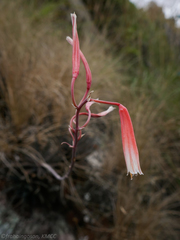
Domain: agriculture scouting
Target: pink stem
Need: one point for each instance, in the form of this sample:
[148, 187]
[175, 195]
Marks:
[105, 102]
[76, 138]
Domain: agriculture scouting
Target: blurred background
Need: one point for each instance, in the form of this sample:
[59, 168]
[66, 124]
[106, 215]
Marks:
[134, 56]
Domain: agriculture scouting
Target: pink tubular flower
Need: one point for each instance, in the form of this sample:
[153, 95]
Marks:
[76, 53]
[129, 143]
[128, 139]
[75, 56]
[86, 66]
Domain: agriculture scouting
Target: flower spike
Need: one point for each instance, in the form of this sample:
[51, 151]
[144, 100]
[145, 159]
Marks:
[128, 139]
[129, 143]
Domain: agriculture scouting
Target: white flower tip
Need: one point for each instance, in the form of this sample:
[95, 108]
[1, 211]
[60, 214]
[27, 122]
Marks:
[69, 40]
[102, 114]
[73, 18]
[73, 15]
[110, 109]
[134, 174]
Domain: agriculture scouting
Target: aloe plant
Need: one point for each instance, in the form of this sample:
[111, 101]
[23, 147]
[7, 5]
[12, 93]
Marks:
[128, 139]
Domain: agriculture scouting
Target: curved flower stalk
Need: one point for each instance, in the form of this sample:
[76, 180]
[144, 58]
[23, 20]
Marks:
[128, 139]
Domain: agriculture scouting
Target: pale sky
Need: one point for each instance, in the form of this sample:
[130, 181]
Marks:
[171, 8]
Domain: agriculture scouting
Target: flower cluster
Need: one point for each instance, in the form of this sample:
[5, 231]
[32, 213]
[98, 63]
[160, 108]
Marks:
[128, 139]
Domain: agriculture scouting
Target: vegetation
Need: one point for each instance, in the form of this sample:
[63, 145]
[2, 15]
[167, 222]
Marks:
[134, 59]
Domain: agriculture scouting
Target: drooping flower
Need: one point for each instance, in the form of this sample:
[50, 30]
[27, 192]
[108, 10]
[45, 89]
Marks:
[129, 143]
